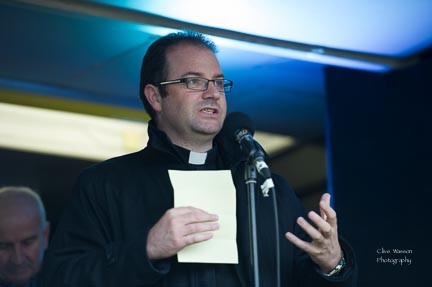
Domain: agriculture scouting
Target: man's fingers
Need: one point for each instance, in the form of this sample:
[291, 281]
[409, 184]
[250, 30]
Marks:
[179, 227]
[325, 199]
[196, 217]
[194, 224]
[197, 237]
[296, 241]
[312, 231]
[191, 214]
[324, 248]
[200, 227]
[329, 212]
[303, 245]
[323, 226]
[187, 220]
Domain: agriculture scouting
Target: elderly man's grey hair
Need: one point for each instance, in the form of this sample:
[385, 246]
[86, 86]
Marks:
[8, 192]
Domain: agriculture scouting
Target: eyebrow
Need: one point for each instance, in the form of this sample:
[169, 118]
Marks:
[31, 237]
[198, 74]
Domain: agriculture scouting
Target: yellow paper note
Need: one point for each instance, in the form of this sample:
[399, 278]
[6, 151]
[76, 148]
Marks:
[214, 192]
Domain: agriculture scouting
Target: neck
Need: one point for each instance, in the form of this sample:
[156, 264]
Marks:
[197, 142]
[194, 145]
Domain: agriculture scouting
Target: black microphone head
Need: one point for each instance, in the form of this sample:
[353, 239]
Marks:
[237, 123]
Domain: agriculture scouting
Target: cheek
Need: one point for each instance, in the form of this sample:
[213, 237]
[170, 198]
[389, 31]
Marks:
[223, 101]
[34, 254]
[223, 105]
[181, 111]
[173, 105]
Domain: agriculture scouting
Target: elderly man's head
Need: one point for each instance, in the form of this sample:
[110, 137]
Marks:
[24, 234]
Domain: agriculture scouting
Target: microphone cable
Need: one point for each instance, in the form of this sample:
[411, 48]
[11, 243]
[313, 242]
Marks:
[277, 239]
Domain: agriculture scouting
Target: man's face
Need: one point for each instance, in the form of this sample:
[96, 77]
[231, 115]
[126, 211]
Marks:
[22, 246]
[189, 116]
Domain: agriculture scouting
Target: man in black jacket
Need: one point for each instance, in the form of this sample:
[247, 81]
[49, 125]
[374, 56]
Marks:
[121, 228]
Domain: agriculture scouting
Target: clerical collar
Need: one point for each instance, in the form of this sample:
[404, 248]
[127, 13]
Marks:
[207, 159]
[197, 158]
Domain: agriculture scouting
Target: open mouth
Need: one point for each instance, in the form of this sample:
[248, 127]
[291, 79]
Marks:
[210, 111]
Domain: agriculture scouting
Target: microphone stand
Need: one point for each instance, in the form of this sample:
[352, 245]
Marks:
[251, 180]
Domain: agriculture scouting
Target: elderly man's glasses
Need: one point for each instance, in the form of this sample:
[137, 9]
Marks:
[201, 84]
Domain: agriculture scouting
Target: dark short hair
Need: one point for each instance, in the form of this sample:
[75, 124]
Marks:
[154, 67]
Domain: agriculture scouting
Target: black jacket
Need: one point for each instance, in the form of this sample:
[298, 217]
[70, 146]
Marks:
[101, 237]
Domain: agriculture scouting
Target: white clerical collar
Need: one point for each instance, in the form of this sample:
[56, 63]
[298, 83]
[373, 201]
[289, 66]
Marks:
[197, 158]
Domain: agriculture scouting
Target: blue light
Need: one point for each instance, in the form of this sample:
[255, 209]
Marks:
[392, 28]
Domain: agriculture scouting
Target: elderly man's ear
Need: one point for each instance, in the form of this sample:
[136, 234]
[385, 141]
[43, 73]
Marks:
[46, 234]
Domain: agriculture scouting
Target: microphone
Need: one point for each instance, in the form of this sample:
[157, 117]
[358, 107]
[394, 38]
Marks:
[238, 128]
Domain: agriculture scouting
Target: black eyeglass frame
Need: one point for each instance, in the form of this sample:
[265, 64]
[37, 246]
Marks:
[227, 84]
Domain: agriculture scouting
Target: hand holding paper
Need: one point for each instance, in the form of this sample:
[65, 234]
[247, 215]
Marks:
[179, 227]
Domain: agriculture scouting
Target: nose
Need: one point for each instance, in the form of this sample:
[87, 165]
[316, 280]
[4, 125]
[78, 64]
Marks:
[17, 255]
[212, 91]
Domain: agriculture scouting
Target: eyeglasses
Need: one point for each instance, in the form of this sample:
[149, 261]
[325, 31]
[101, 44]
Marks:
[201, 84]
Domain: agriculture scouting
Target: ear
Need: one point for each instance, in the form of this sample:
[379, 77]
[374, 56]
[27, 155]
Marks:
[46, 234]
[153, 96]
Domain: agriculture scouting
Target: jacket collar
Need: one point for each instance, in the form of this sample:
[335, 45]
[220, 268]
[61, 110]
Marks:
[159, 141]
